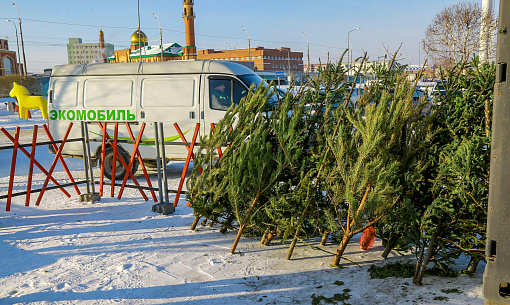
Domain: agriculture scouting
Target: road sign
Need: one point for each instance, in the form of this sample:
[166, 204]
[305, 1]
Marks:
[279, 74]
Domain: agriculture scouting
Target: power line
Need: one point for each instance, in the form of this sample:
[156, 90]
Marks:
[174, 31]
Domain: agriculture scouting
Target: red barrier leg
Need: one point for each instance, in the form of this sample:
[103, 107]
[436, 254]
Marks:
[140, 160]
[183, 139]
[131, 160]
[190, 154]
[125, 165]
[103, 147]
[31, 166]
[39, 166]
[59, 152]
[68, 172]
[13, 169]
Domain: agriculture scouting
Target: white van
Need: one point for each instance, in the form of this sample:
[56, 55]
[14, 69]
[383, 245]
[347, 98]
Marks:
[182, 92]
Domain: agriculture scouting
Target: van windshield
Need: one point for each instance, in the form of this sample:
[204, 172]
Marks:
[254, 79]
[251, 79]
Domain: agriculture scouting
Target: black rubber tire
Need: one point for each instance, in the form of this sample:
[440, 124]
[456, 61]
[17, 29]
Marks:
[120, 171]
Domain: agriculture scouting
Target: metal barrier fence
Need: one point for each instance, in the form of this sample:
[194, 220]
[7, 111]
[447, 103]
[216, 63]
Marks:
[164, 206]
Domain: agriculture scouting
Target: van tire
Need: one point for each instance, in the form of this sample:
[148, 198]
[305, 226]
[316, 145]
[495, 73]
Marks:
[120, 171]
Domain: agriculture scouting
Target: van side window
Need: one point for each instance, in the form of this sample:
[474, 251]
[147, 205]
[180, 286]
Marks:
[222, 92]
[239, 93]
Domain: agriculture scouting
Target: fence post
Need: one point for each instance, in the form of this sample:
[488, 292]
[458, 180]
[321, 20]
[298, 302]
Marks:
[31, 166]
[91, 196]
[163, 207]
[13, 169]
[163, 158]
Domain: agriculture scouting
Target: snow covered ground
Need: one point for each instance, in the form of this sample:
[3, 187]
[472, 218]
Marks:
[120, 252]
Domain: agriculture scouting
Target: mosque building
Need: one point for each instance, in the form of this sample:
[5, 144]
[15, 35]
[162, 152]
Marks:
[140, 50]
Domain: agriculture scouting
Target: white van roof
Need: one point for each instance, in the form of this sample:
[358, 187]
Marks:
[167, 67]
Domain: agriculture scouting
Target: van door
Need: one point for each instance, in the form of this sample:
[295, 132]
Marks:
[220, 93]
[170, 99]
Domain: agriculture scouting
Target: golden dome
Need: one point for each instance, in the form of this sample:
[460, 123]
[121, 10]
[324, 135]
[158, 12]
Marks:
[143, 38]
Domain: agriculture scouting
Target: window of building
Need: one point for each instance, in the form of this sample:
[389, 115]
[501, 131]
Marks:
[8, 67]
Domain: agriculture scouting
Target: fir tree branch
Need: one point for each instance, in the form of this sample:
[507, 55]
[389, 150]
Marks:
[476, 202]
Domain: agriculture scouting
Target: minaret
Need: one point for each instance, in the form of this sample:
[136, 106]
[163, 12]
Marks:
[102, 50]
[190, 50]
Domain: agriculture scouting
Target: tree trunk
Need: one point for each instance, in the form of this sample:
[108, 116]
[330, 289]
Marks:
[245, 221]
[204, 222]
[324, 238]
[224, 227]
[473, 264]
[292, 245]
[341, 248]
[263, 240]
[392, 241]
[195, 222]
[270, 237]
[212, 223]
[420, 257]
[421, 268]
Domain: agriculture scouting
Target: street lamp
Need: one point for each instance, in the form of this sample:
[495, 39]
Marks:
[160, 36]
[230, 49]
[349, 46]
[307, 51]
[249, 46]
[21, 37]
[17, 43]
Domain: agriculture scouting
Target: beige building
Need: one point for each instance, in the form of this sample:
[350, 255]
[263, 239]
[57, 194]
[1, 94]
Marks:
[82, 53]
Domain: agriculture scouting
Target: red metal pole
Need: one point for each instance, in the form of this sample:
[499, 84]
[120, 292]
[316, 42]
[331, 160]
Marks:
[13, 169]
[131, 160]
[53, 164]
[130, 174]
[23, 150]
[68, 172]
[183, 138]
[190, 153]
[31, 166]
[140, 160]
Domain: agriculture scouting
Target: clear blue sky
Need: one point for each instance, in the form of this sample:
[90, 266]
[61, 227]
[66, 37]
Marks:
[388, 24]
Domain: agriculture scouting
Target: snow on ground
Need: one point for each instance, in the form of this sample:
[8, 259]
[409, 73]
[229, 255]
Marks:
[120, 252]
[10, 120]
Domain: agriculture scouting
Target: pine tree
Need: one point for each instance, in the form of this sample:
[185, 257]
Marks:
[455, 222]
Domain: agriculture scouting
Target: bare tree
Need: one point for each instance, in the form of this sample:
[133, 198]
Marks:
[454, 34]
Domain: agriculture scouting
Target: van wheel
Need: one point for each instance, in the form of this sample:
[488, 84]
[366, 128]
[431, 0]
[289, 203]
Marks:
[120, 171]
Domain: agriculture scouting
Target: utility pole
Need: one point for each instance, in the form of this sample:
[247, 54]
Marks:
[21, 37]
[249, 46]
[496, 277]
[160, 37]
